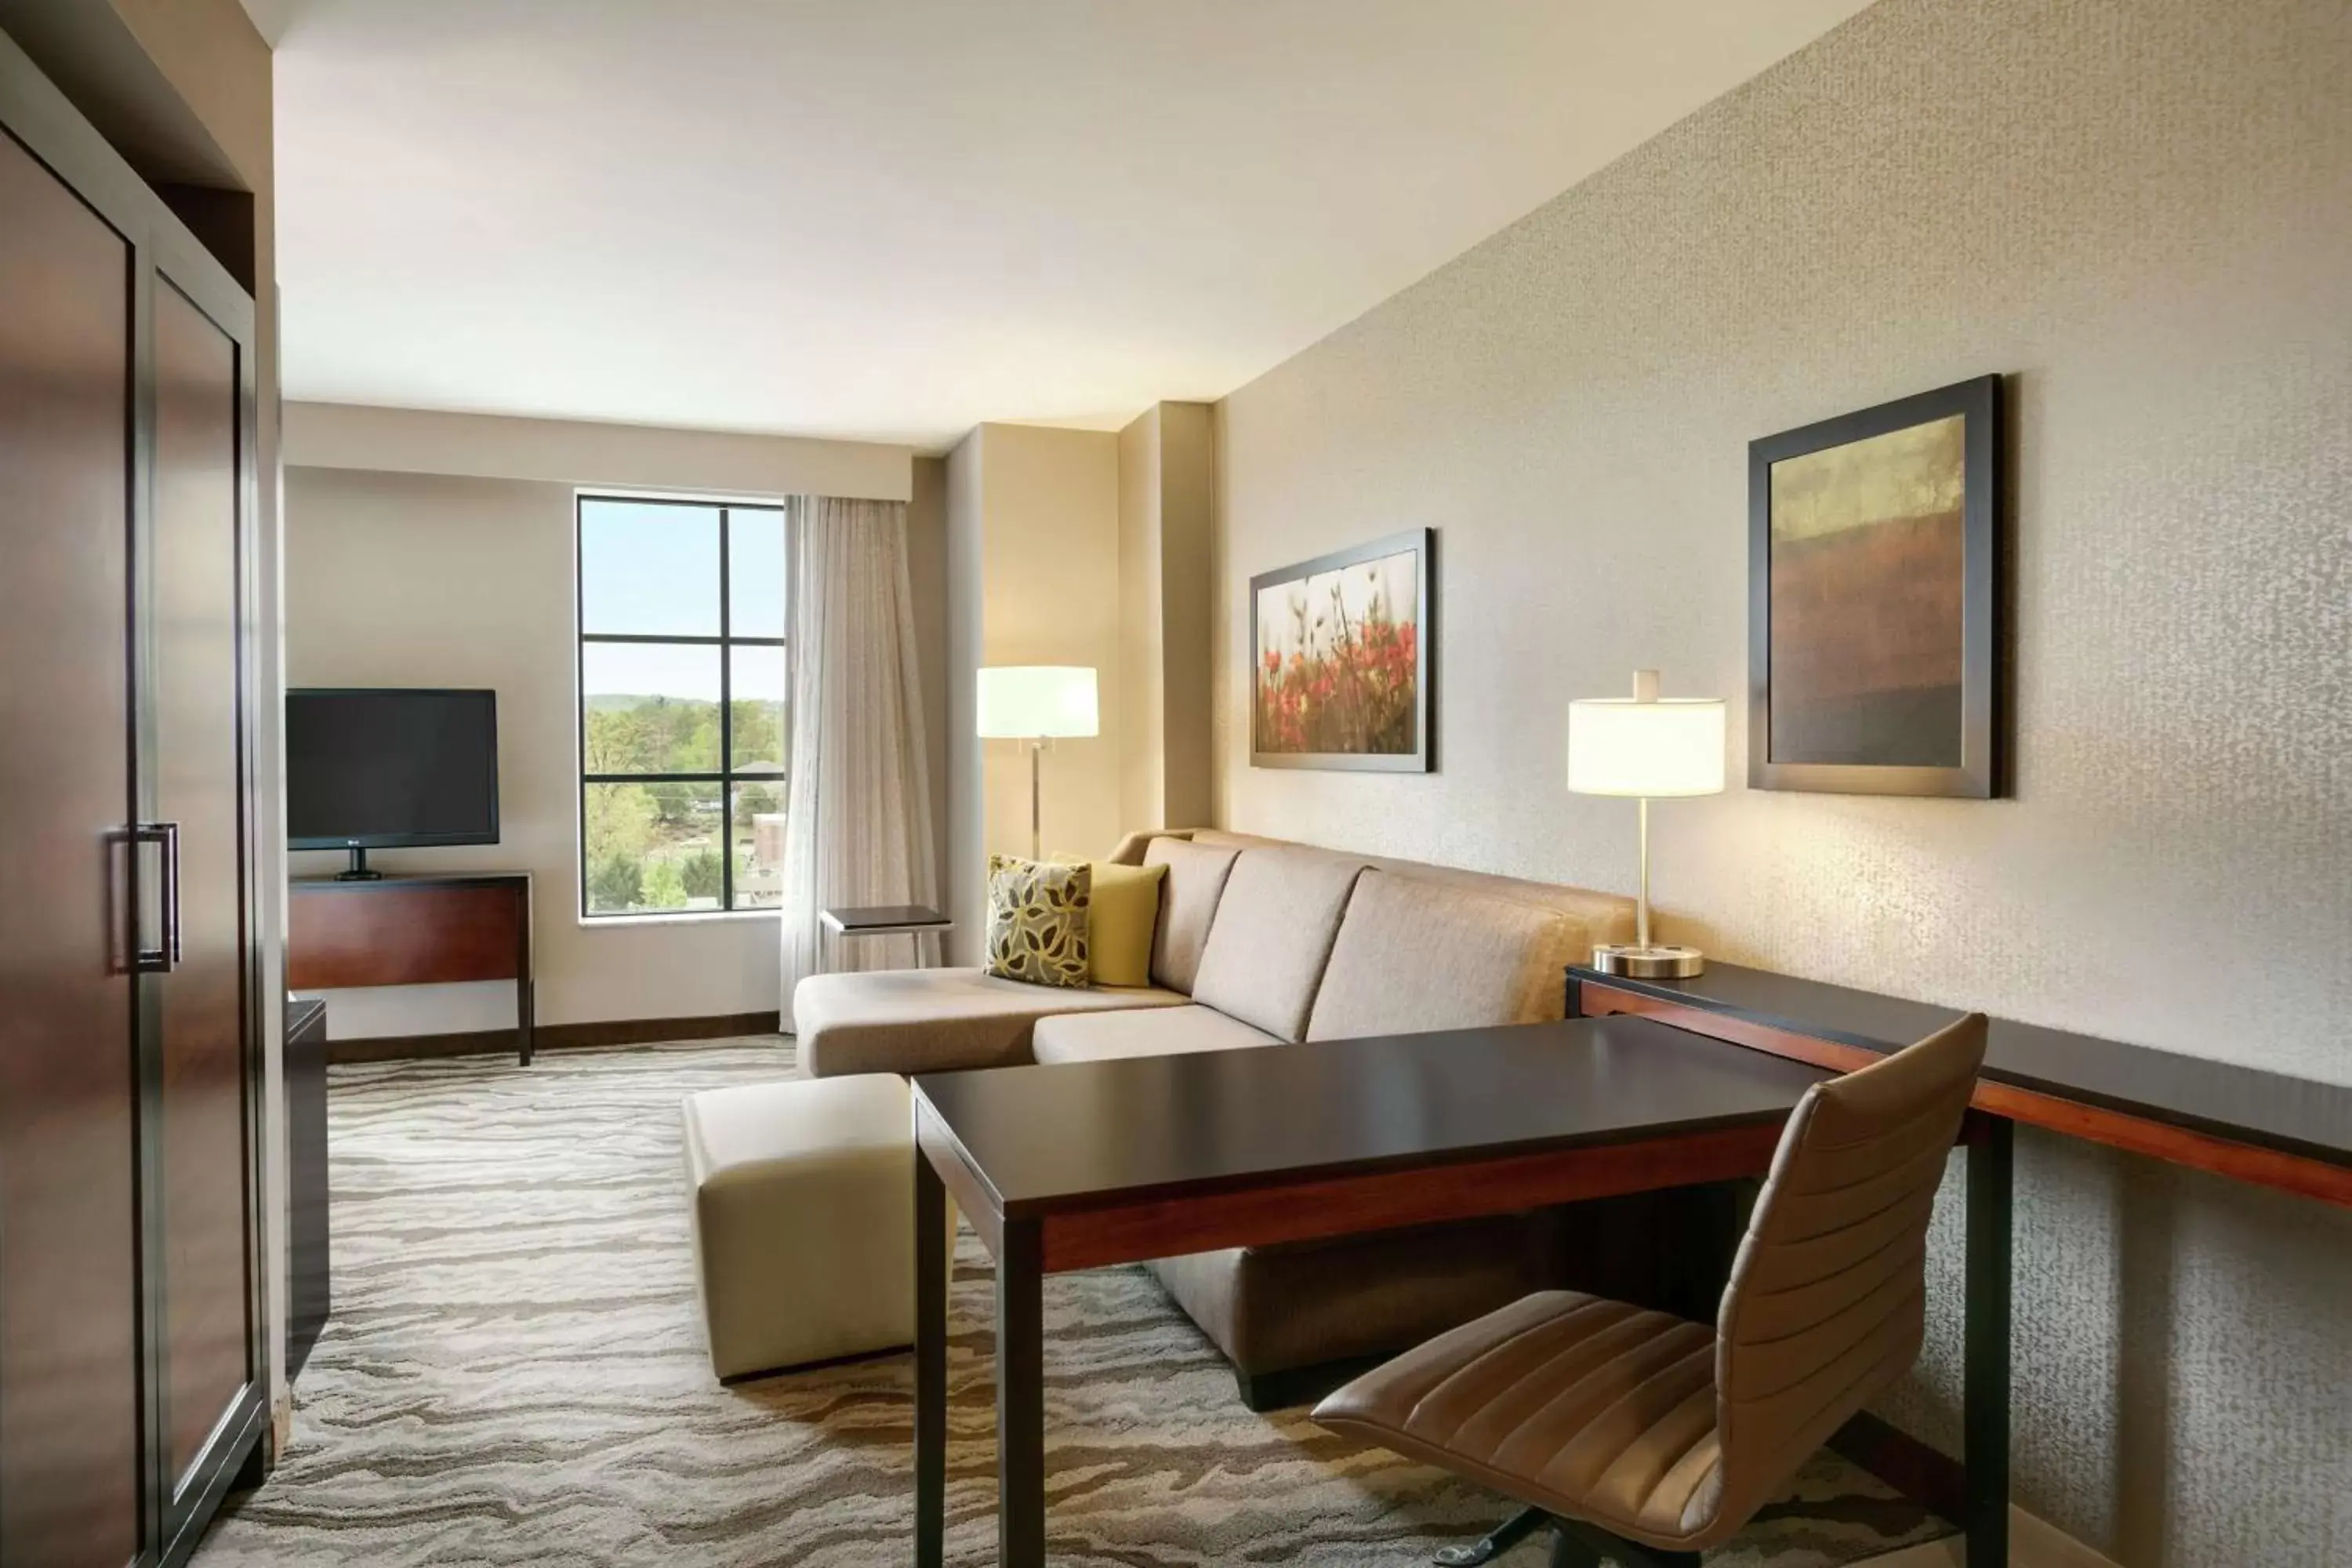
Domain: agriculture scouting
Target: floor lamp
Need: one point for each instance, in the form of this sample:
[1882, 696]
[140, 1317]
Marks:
[1039, 704]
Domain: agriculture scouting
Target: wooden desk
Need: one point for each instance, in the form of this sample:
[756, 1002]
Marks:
[2244, 1122]
[424, 930]
[1155, 1156]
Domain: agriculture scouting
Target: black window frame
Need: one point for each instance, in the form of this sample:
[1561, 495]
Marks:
[726, 776]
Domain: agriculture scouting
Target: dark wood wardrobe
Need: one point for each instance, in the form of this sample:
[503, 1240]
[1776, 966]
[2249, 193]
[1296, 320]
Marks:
[134, 1370]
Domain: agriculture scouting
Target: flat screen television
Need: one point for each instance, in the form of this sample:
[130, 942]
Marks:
[389, 769]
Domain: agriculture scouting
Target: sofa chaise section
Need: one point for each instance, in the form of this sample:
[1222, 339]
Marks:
[936, 1020]
[1141, 1032]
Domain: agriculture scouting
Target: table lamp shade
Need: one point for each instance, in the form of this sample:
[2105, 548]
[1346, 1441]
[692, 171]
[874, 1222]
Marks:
[1037, 702]
[1654, 750]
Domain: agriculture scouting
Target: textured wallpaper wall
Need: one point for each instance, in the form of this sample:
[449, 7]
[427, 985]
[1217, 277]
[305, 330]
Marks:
[2141, 211]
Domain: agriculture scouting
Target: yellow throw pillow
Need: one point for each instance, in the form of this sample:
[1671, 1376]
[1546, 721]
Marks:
[1037, 921]
[1120, 921]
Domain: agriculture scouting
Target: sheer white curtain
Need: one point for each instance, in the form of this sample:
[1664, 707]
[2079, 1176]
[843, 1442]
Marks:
[857, 824]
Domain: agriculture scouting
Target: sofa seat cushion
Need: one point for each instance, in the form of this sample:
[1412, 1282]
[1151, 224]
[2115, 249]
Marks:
[1141, 1032]
[1414, 955]
[1273, 932]
[935, 1020]
[1194, 881]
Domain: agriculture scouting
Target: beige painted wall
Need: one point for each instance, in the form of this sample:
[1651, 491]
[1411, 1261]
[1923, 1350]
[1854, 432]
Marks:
[2141, 213]
[1167, 481]
[927, 575]
[1142, 776]
[375, 595]
[965, 884]
[579, 452]
[1033, 523]
[373, 599]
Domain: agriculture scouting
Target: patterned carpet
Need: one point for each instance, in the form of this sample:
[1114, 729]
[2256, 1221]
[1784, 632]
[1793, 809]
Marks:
[514, 1375]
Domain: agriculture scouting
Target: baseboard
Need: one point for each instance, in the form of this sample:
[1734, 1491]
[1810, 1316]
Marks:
[1934, 1479]
[553, 1037]
[2032, 1543]
[2037, 1543]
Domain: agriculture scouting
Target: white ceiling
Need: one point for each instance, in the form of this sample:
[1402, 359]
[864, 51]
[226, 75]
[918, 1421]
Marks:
[893, 219]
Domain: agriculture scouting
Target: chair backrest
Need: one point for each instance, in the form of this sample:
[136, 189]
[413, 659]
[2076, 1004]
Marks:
[1827, 1300]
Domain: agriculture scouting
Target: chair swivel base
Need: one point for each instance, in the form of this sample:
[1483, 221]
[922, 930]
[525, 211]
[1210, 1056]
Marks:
[1496, 1542]
[1575, 1544]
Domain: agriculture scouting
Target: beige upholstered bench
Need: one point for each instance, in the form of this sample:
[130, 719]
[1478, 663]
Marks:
[803, 1219]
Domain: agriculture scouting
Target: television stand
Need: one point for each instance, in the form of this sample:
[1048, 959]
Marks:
[412, 929]
[357, 871]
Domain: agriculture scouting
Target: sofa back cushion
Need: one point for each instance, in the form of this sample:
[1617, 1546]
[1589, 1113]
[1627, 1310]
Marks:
[1188, 903]
[1601, 917]
[1273, 932]
[1413, 954]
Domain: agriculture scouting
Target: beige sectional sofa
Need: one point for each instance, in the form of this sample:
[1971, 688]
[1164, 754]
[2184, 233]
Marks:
[1260, 943]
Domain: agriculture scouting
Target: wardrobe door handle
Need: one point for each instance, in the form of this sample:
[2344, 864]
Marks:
[163, 960]
[121, 909]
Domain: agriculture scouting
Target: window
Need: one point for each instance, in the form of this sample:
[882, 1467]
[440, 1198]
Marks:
[683, 673]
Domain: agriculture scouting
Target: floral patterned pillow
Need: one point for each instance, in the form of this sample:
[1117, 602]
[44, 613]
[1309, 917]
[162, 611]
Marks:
[1037, 921]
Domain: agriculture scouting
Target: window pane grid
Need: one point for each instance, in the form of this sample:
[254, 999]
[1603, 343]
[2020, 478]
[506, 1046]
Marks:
[706, 847]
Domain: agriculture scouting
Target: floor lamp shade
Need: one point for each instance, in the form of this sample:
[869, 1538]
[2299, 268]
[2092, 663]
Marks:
[1038, 702]
[1646, 748]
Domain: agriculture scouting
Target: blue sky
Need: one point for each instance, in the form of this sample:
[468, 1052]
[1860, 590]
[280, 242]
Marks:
[652, 569]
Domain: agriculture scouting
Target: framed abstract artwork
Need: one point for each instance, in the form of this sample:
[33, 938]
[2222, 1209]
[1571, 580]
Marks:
[1340, 677]
[1875, 587]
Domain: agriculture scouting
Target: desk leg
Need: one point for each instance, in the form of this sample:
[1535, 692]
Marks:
[930, 1366]
[526, 989]
[526, 1016]
[1986, 1375]
[1020, 1399]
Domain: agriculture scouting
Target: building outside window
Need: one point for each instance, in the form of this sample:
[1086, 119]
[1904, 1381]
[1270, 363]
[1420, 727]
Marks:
[684, 681]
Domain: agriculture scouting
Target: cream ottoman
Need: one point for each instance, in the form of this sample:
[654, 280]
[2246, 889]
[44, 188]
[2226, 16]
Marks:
[803, 1219]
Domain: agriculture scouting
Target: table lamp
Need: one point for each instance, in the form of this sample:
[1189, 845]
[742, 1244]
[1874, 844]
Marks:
[1037, 703]
[1650, 747]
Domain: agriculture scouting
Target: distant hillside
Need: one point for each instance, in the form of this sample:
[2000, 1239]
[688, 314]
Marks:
[628, 701]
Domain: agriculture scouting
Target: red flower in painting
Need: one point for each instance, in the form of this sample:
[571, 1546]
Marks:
[1356, 693]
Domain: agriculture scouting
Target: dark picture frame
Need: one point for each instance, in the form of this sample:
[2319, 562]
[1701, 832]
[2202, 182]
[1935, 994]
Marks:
[1891, 687]
[1412, 650]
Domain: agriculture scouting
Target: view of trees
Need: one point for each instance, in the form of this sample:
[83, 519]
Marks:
[654, 846]
[684, 605]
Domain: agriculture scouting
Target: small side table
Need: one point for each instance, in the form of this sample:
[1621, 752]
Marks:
[884, 920]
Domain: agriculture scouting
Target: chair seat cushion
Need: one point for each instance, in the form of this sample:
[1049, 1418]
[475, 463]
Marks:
[1141, 1032]
[935, 1020]
[1576, 1405]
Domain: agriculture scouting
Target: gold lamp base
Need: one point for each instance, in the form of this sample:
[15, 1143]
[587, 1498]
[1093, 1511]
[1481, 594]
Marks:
[1663, 962]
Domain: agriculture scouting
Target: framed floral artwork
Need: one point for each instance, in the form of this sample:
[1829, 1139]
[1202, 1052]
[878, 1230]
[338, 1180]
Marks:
[1341, 676]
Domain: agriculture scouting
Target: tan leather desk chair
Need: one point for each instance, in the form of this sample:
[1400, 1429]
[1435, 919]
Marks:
[1648, 1438]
